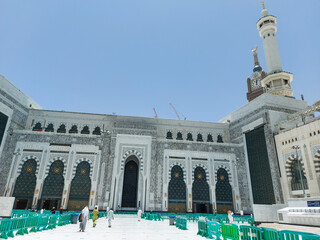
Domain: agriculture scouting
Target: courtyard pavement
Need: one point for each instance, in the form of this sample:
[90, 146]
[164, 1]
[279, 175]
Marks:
[128, 227]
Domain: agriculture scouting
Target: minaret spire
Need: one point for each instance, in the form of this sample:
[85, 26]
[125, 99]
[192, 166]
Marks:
[256, 60]
[263, 5]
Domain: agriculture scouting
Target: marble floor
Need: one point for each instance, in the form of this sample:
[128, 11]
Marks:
[127, 227]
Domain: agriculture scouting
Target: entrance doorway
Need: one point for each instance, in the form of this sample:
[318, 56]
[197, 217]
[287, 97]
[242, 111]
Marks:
[201, 207]
[130, 185]
[48, 204]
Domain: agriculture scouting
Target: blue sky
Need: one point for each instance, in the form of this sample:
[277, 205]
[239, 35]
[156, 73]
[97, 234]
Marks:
[128, 56]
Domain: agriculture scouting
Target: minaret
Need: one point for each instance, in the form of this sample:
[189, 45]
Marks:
[254, 81]
[277, 81]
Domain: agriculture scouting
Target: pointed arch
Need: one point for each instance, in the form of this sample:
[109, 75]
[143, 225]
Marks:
[135, 153]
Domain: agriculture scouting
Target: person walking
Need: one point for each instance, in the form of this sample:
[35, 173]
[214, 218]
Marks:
[110, 217]
[95, 215]
[85, 215]
[230, 217]
[139, 214]
[53, 210]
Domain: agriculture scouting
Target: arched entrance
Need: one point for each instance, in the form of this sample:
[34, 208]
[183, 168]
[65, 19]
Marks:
[200, 192]
[53, 186]
[130, 183]
[177, 191]
[223, 192]
[25, 185]
[80, 187]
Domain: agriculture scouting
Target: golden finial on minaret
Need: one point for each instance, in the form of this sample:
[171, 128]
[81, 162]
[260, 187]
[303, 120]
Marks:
[262, 5]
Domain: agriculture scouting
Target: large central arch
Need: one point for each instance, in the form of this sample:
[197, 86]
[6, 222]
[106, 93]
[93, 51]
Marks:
[130, 183]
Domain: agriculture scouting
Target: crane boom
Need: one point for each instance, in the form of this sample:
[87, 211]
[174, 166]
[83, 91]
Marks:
[175, 111]
[155, 113]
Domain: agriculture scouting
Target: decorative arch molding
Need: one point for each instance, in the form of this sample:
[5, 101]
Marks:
[53, 160]
[79, 161]
[204, 168]
[182, 167]
[23, 160]
[225, 168]
[289, 163]
[317, 161]
[129, 153]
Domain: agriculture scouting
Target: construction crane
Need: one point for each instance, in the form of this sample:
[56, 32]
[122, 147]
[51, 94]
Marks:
[184, 118]
[155, 113]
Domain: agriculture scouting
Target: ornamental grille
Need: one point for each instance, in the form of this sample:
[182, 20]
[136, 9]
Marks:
[26, 182]
[223, 188]
[177, 187]
[81, 183]
[296, 170]
[260, 174]
[54, 182]
[200, 187]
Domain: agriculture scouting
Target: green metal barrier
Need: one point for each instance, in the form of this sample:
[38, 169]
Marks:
[230, 231]
[202, 228]
[213, 230]
[181, 223]
[250, 233]
[294, 235]
[270, 234]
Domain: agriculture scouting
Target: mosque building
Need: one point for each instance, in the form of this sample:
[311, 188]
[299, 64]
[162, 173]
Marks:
[243, 162]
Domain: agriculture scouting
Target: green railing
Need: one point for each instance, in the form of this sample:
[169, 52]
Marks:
[24, 225]
[214, 230]
[232, 231]
[202, 228]
[181, 223]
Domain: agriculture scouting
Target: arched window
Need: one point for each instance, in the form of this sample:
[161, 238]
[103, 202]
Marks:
[209, 138]
[49, 128]
[223, 192]
[169, 135]
[62, 129]
[97, 131]
[177, 191]
[297, 175]
[85, 130]
[219, 139]
[199, 137]
[37, 127]
[74, 129]
[189, 137]
[179, 136]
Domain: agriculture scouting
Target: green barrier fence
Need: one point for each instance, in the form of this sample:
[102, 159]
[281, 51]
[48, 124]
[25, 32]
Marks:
[202, 228]
[35, 223]
[250, 233]
[230, 231]
[214, 230]
[294, 235]
[181, 223]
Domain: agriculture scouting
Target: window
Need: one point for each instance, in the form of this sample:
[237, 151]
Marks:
[297, 175]
[62, 129]
[74, 129]
[97, 131]
[49, 128]
[85, 130]
[209, 138]
[169, 135]
[37, 127]
[199, 137]
[189, 137]
[219, 139]
[179, 136]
